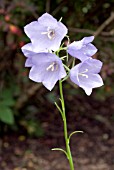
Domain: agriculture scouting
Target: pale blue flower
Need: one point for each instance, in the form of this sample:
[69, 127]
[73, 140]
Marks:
[46, 68]
[46, 33]
[82, 49]
[86, 76]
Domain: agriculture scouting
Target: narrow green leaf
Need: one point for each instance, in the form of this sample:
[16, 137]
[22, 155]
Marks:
[74, 133]
[59, 109]
[60, 149]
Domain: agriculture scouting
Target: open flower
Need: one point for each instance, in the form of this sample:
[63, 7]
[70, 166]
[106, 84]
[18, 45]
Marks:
[82, 49]
[46, 68]
[46, 33]
[86, 76]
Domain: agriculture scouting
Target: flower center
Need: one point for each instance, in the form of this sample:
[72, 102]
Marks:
[50, 33]
[52, 67]
[83, 73]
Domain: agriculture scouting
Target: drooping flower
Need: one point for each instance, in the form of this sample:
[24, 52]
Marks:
[86, 76]
[82, 49]
[46, 68]
[46, 33]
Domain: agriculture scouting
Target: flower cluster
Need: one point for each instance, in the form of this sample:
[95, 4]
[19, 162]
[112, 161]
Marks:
[46, 35]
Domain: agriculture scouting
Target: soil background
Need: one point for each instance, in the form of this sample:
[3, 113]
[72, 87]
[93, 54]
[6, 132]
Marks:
[92, 150]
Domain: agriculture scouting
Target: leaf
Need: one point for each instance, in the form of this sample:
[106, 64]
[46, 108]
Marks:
[74, 133]
[60, 149]
[59, 109]
[6, 98]
[6, 115]
[7, 102]
[6, 93]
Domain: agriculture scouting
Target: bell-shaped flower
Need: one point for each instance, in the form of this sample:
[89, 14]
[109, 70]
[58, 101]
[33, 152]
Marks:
[46, 33]
[86, 76]
[46, 68]
[82, 49]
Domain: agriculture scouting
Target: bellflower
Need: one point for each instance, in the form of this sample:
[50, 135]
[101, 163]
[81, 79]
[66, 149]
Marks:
[86, 76]
[46, 68]
[46, 33]
[82, 49]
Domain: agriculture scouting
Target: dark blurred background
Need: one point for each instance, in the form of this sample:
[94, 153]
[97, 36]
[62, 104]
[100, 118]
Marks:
[27, 109]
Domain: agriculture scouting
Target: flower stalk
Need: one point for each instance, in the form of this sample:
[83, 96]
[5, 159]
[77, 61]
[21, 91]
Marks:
[68, 150]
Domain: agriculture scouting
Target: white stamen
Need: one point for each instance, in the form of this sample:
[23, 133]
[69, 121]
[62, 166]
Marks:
[50, 33]
[82, 73]
[52, 67]
[44, 33]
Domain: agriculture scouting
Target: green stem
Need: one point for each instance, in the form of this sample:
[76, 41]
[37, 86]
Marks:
[65, 128]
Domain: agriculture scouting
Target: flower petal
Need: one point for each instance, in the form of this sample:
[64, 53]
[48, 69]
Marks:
[62, 72]
[88, 50]
[28, 50]
[60, 32]
[40, 41]
[87, 90]
[44, 57]
[77, 54]
[93, 81]
[74, 74]
[33, 29]
[87, 40]
[50, 79]
[93, 65]
[47, 20]
[28, 62]
[76, 45]
[37, 73]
